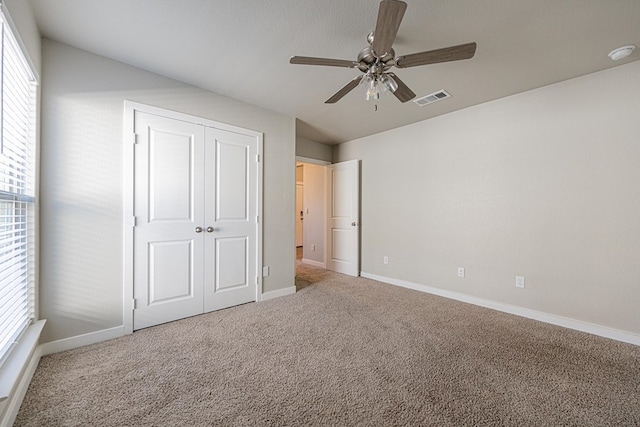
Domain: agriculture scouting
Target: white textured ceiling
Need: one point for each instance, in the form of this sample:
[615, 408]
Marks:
[241, 48]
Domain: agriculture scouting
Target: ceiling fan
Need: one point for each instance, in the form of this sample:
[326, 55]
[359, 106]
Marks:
[376, 59]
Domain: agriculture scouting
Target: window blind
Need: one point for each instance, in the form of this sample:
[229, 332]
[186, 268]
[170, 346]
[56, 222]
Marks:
[17, 193]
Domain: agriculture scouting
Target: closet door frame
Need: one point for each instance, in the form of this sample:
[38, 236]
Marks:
[129, 221]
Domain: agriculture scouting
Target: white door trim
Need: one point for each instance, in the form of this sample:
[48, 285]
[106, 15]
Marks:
[312, 161]
[129, 141]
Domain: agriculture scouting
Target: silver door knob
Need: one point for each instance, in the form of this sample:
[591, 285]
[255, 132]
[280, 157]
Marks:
[198, 229]
[210, 229]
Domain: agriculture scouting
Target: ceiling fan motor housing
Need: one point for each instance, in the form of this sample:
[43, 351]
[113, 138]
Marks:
[368, 62]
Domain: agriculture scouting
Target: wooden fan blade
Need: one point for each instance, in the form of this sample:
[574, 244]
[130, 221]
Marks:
[345, 90]
[390, 16]
[308, 60]
[403, 93]
[453, 53]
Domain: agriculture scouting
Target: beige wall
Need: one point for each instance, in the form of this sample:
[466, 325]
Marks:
[315, 215]
[313, 150]
[544, 184]
[81, 283]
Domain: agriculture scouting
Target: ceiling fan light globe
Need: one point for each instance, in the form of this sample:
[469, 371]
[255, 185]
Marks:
[366, 79]
[373, 91]
[389, 83]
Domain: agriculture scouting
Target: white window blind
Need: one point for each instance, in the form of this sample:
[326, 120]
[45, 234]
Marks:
[17, 195]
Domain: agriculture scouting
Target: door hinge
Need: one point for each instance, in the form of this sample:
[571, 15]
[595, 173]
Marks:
[257, 280]
[258, 158]
[134, 221]
[257, 219]
[134, 304]
[136, 138]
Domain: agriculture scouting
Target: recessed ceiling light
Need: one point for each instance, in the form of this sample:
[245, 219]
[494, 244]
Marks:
[621, 52]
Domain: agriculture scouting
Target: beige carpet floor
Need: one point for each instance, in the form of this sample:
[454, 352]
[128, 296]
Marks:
[342, 351]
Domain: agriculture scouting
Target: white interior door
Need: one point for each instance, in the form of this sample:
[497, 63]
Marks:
[343, 216]
[299, 214]
[169, 205]
[231, 219]
[196, 207]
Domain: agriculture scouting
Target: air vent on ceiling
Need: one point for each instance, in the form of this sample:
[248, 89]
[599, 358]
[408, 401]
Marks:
[430, 99]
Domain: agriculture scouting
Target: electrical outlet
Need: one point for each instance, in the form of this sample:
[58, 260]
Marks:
[519, 282]
[265, 271]
[460, 271]
[385, 260]
[313, 248]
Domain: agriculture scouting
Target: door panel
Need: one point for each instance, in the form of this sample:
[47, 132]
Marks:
[168, 179]
[170, 271]
[231, 263]
[340, 190]
[343, 237]
[171, 163]
[341, 244]
[232, 160]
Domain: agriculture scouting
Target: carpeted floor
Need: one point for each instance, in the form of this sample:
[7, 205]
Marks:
[342, 351]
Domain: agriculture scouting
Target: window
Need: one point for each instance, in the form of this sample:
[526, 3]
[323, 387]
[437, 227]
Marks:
[17, 191]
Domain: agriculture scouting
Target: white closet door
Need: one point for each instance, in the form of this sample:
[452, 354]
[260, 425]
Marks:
[169, 205]
[195, 241]
[231, 219]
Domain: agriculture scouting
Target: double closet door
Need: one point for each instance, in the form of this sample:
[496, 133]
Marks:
[196, 219]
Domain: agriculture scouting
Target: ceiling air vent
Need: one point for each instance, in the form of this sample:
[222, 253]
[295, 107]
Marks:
[430, 99]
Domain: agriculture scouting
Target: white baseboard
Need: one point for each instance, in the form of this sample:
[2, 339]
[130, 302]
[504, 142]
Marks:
[15, 401]
[553, 319]
[278, 293]
[314, 263]
[82, 340]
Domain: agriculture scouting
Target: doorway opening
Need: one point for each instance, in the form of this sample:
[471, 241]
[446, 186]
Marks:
[310, 212]
[328, 216]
